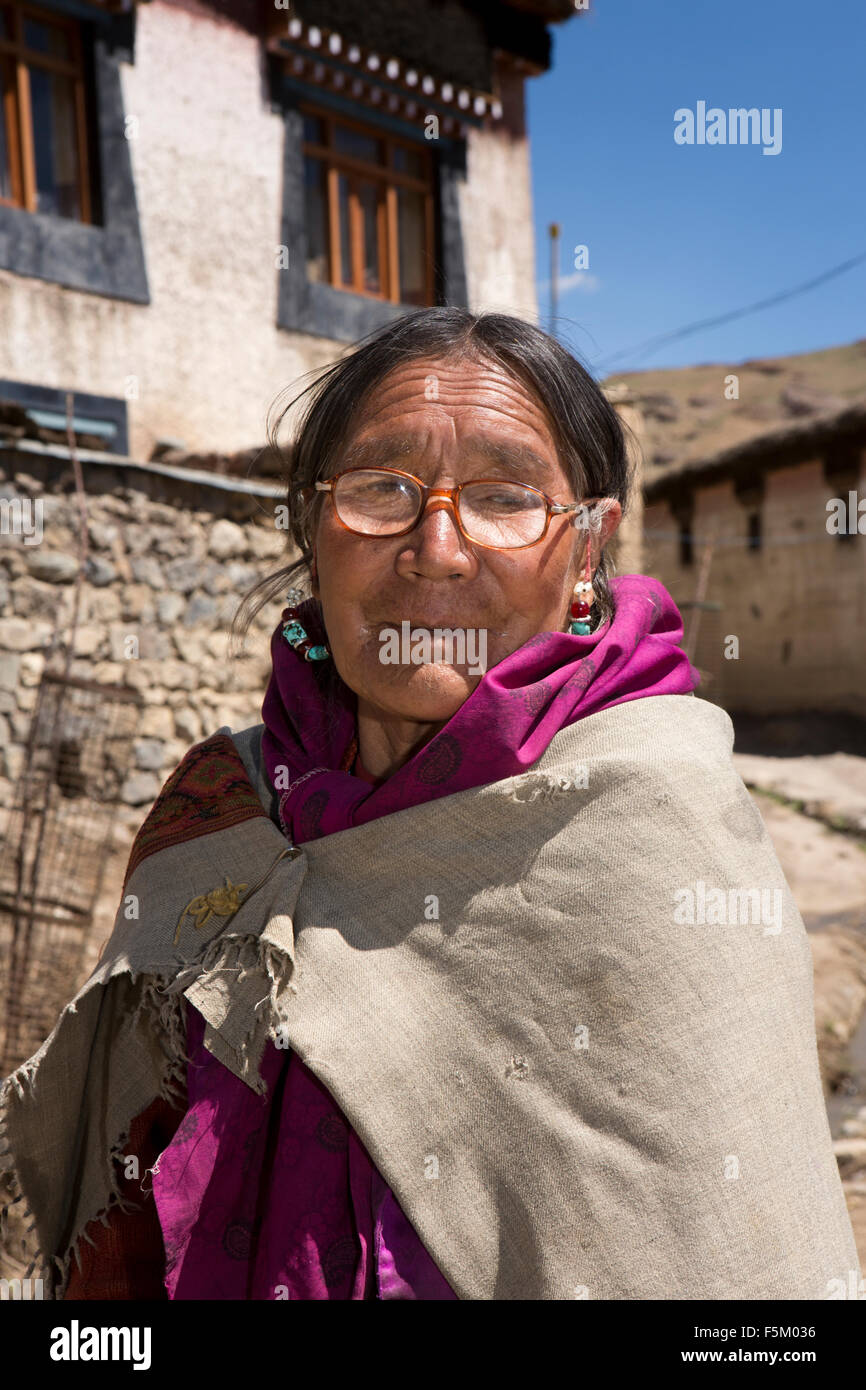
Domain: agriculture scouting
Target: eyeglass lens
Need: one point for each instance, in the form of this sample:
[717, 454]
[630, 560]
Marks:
[494, 513]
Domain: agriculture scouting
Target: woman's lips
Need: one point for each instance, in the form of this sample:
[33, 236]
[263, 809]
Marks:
[430, 625]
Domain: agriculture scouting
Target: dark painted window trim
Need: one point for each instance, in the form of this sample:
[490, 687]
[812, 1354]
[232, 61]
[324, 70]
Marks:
[305, 306]
[108, 409]
[107, 259]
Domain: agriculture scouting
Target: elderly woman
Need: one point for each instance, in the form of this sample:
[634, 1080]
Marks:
[470, 972]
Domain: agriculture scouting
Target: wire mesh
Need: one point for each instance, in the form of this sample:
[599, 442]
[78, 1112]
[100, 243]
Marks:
[53, 857]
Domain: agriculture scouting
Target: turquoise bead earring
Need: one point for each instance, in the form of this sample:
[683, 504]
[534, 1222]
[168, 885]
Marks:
[582, 602]
[296, 634]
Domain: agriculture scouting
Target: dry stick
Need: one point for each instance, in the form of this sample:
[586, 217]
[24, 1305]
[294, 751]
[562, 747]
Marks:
[82, 527]
[22, 931]
[700, 591]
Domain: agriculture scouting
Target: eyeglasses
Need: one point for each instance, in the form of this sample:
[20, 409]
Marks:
[489, 511]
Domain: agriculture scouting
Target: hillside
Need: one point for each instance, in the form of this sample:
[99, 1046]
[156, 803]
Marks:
[686, 415]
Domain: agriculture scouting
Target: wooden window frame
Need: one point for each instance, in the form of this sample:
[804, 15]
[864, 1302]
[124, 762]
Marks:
[15, 58]
[387, 179]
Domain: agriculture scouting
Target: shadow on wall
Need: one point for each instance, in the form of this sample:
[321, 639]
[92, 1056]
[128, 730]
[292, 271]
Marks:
[809, 733]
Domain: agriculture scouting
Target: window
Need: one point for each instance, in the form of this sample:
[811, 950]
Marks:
[78, 231]
[44, 163]
[101, 420]
[755, 535]
[368, 200]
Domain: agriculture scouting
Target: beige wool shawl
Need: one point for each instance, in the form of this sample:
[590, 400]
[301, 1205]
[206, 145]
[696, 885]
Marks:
[573, 1089]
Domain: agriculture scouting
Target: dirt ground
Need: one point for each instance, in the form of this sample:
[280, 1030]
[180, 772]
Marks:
[825, 864]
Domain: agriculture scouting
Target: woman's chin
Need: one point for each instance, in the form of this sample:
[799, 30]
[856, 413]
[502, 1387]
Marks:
[427, 694]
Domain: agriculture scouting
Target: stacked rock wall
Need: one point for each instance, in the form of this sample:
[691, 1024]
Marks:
[168, 562]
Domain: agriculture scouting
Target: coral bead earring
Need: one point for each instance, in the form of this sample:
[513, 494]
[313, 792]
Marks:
[582, 602]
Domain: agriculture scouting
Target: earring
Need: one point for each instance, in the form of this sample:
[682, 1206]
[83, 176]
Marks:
[583, 600]
[296, 635]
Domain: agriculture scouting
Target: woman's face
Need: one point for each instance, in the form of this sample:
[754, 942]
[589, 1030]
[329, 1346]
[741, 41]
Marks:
[445, 422]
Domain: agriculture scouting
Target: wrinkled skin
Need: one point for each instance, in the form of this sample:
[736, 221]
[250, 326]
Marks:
[433, 576]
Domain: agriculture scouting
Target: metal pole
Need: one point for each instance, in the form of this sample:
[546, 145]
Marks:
[554, 275]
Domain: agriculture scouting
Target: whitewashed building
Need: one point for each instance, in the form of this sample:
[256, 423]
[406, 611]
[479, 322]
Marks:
[201, 200]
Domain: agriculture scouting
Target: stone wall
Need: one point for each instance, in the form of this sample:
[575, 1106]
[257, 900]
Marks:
[168, 563]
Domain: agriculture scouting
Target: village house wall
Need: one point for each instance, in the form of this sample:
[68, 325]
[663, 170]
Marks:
[206, 355]
[797, 604]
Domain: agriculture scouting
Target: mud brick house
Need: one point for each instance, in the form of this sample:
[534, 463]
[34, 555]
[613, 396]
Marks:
[201, 200]
[765, 542]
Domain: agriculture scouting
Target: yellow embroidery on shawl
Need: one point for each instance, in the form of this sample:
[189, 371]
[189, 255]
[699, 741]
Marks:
[219, 902]
[225, 900]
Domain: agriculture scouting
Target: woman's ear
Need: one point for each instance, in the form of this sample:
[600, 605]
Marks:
[611, 517]
[600, 519]
[604, 517]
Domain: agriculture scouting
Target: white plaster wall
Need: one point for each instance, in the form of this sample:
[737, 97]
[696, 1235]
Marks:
[496, 215]
[207, 162]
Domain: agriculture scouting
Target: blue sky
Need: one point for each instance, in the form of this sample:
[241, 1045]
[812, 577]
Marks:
[679, 233]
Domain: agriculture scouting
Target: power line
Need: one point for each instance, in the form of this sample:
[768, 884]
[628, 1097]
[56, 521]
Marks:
[649, 344]
[743, 540]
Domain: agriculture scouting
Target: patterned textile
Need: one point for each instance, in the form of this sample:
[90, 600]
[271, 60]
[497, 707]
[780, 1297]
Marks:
[207, 791]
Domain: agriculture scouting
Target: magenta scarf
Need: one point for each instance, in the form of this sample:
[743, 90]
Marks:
[499, 731]
[275, 1196]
